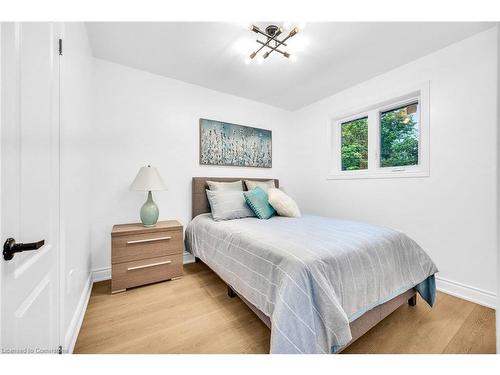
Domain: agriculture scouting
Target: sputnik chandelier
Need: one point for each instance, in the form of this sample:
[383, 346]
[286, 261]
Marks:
[272, 43]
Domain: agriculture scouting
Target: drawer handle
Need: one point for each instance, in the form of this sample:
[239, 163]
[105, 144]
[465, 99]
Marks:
[150, 240]
[149, 265]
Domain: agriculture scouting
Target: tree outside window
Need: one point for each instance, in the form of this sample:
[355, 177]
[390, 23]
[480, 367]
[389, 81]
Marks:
[399, 136]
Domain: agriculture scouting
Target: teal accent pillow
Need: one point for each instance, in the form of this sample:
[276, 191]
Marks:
[258, 201]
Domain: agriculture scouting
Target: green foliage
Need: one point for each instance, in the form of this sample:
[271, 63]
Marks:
[398, 139]
[355, 144]
[399, 136]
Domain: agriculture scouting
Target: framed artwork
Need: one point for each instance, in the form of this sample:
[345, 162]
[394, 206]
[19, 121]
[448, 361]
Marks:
[223, 143]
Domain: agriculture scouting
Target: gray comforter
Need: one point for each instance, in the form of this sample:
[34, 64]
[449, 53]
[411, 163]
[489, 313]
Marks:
[311, 275]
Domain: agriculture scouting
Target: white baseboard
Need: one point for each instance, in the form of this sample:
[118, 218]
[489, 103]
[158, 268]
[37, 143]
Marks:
[187, 258]
[466, 292]
[101, 274]
[77, 320]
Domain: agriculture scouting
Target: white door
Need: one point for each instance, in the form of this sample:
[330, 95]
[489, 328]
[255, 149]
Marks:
[30, 186]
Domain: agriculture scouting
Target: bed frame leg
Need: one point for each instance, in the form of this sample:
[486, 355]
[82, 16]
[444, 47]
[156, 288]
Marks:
[230, 292]
[197, 260]
[413, 301]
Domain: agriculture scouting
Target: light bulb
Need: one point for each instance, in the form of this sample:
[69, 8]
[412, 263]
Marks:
[244, 24]
[302, 25]
[293, 58]
[294, 31]
[254, 28]
[287, 25]
[248, 60]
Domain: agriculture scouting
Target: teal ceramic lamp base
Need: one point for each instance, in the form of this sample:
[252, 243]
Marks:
[149, 212]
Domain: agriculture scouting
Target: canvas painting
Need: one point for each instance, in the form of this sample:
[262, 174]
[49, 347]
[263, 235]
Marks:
[222, 143]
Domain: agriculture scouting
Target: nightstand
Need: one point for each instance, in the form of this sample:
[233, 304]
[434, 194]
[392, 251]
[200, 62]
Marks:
[141, 255]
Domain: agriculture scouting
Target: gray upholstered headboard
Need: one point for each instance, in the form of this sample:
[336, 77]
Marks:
[199, 199]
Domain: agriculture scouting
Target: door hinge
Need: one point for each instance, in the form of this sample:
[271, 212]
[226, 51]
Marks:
[59, 350]
[60, 46]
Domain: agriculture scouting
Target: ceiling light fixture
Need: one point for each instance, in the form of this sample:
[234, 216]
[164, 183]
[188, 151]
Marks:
[271, 43]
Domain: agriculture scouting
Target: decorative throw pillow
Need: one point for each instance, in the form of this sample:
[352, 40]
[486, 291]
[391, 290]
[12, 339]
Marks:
[257, 200]
[264, 185]
[228, 205]
[215, 185]
[282, 203]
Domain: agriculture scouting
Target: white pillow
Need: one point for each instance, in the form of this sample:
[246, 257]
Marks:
[264, 185]
[228, 205]
[282, 203]
[216, 185]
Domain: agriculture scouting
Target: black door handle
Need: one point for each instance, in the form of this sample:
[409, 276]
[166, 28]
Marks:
[10, 247]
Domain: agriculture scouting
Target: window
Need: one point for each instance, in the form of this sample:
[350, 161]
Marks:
[355, 144]
[389, 139]
[399, 136]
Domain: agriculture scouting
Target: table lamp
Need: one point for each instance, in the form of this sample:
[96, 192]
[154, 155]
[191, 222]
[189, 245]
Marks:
[148, 179]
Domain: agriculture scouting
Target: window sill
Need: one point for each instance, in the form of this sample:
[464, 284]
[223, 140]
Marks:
[395, 173]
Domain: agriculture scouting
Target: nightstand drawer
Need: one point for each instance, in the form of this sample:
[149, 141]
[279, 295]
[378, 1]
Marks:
[146, 271]
[146, 245]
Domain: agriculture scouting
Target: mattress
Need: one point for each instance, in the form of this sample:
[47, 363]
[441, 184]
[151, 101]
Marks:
[311, 275]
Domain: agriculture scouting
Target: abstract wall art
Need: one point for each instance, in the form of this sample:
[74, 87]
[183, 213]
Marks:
[223, 143]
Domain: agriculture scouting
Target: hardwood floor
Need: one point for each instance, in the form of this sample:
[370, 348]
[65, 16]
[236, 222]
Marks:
[194, 315]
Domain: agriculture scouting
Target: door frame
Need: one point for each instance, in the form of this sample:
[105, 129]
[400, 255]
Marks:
[59, 34]
[1, 117]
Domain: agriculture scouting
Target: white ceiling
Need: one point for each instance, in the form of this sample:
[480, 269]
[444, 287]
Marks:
[335, 55]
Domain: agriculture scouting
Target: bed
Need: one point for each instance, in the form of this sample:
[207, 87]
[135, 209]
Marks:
[318, 283]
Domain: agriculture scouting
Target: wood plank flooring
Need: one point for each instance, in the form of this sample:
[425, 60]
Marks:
[194, 315]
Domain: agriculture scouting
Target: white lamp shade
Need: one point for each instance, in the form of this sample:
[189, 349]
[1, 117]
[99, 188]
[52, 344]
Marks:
[148, 179]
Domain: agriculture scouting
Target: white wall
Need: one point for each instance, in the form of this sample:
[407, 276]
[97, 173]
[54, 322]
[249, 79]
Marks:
[75, 178]
[452, 213]
[141, 118]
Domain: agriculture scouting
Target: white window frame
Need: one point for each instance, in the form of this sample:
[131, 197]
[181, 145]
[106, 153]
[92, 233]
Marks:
[374, 170]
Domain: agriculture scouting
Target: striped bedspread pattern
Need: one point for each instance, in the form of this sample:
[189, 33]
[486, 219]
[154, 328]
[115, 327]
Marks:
[311, 275]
